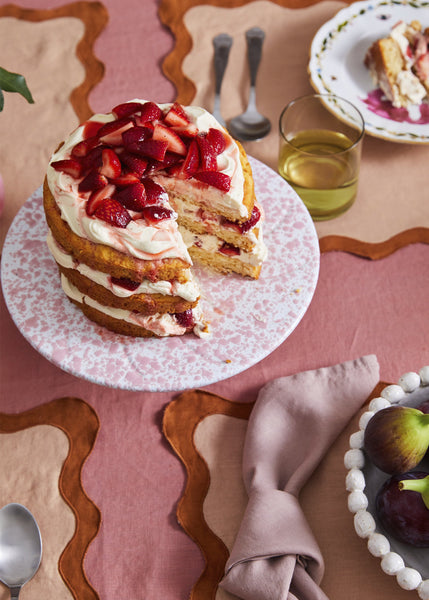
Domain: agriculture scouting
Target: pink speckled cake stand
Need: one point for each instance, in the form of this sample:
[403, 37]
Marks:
[249, 319]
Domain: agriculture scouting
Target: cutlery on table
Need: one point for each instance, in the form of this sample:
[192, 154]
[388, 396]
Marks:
[20, 547]
[222, 45]
[251, 125]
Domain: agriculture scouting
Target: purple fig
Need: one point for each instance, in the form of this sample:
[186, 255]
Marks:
[402, 511]
[424, 407]
[396, 438]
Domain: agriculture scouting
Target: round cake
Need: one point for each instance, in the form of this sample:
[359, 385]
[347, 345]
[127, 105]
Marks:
[132, 197]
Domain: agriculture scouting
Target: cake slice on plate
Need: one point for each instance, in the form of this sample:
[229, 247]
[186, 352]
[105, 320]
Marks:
[399, 64]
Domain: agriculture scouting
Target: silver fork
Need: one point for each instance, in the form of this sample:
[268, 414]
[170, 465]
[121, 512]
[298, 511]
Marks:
[222, 45]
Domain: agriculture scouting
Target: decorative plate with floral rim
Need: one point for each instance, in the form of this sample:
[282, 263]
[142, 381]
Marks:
[337, 66]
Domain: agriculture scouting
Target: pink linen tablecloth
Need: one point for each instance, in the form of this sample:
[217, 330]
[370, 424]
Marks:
[360, 307]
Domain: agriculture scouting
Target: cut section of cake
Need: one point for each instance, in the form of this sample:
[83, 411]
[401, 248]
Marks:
[131, 197]
[399, 64]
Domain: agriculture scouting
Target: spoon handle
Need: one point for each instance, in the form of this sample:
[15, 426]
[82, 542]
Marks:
[222, 45]
[255, 38]
[14, 592]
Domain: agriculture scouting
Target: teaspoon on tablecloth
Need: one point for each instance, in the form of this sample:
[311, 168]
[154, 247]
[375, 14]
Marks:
[20, 547]
[251, 125]
[222, 45]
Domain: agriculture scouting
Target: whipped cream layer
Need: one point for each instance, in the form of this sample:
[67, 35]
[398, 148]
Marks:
[147, 242]
[188, 291]
[211, 244]
[161, 325]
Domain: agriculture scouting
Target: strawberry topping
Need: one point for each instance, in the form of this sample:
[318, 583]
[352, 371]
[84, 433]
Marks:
[111, 211]
[115, 161]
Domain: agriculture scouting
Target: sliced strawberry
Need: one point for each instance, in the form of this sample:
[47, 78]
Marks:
[134, 163]
[93, 159]
[185, 319]
[216, 139]
[165, 134]
[97, 197]
[422, 68]
[177, 118]
[92, 182]
[155, 193]
[126, 283]
[84, 147]
[229, 249]
[111, 211]
[222, 181]
[207, 153]
[155, 149]
[68, 165]
[251, 222]
[91, 128]
[111, 165]
[132, 196]
[127, 109]
[150, 112]
[111, 132]
[125, 179]
[192, 160]
[154, 214]
[136, 134]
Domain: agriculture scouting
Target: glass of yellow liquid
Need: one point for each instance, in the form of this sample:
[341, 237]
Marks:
[320, 149]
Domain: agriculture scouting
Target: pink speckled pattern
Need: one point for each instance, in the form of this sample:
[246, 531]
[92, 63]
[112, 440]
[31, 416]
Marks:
[249, 319]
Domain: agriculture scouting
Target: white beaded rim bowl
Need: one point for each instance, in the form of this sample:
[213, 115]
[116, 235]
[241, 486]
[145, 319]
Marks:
[364, 479]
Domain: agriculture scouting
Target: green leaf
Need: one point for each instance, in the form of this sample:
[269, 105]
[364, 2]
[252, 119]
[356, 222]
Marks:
[1, 100]
[13, 82]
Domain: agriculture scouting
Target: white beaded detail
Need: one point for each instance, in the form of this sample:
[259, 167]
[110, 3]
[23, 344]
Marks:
[393, 393]
[424, 375]
[378, 403]
[356, 439]
[364, 523]
[423, 590]
[365, 418]
[355, 480]
[378, 544]
[357, 501]
[354, 460]
[392, 563]
[408, 579]
[409, 382]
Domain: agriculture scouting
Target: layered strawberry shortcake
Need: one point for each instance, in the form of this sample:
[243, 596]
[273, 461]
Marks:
[131, 197]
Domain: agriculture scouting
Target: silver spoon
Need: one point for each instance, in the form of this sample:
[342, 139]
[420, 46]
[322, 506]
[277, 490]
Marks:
[222, 45]
[20, 547]
[251, 125]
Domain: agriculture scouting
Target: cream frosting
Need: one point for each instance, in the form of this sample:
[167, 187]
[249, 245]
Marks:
[188, 291]
[161, 325]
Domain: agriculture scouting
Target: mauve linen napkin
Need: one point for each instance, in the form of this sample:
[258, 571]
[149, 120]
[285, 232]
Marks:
[292, 425]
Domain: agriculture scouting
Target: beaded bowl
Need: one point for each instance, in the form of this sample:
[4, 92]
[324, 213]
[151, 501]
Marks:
[409, 565]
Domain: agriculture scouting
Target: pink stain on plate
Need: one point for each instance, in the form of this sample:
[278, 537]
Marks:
[378, 104]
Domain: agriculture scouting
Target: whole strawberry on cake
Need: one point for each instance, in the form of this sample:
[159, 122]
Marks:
[132, 197]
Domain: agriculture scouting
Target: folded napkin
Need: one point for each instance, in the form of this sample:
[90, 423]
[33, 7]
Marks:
[292, 425]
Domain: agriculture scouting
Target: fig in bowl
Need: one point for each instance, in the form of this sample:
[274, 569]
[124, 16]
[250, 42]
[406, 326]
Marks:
[401, 509]
[397, 438]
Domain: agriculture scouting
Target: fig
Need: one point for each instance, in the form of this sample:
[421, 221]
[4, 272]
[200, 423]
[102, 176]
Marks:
[402, 512]
[424, 407]
[396, 438]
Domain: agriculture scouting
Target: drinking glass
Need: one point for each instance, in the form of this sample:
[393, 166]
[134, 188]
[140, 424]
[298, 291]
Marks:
[320, 149]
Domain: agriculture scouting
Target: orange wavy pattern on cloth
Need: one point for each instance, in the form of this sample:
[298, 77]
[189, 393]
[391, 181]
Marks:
[172, 13]
[181, 420]
[80, 424]
[94, 16]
